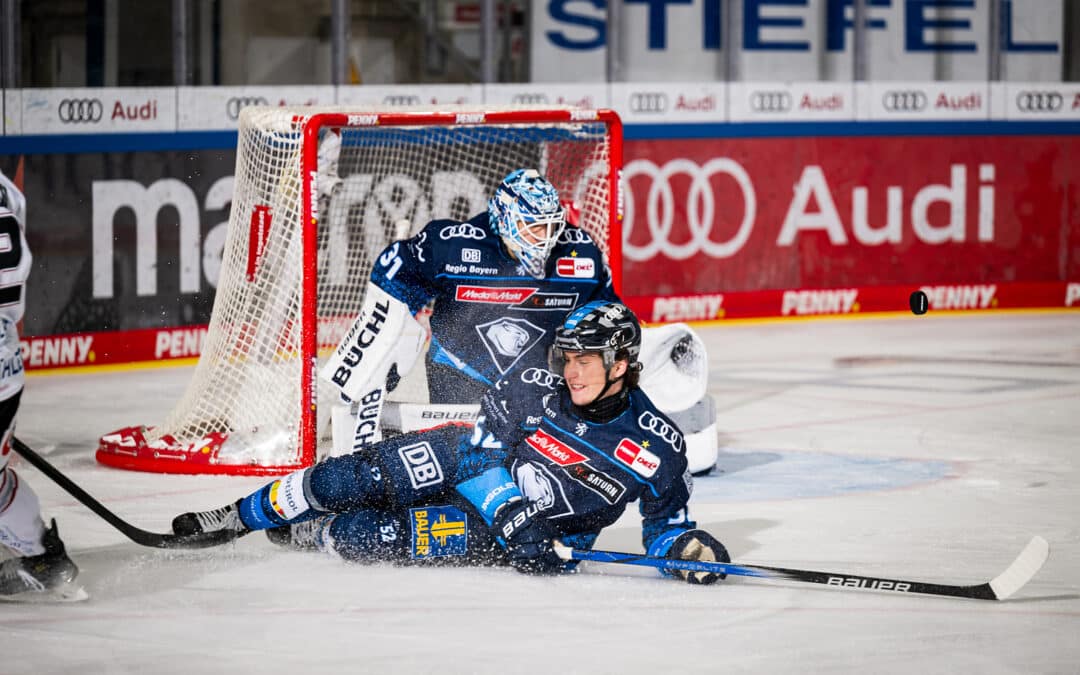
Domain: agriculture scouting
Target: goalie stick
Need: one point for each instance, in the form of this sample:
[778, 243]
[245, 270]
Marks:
[135, 534]
[1002, 586]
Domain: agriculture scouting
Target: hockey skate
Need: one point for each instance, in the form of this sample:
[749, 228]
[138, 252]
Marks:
[309, 535]
[226, 518]
[43, 577]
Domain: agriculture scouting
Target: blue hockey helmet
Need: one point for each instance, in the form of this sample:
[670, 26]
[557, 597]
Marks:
[525, 212]
[606, 327]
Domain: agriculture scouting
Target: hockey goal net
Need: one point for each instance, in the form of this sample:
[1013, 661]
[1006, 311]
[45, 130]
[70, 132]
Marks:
[319, 192]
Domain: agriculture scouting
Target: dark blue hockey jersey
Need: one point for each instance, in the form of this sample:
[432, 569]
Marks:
[490, 316]
[582, 474]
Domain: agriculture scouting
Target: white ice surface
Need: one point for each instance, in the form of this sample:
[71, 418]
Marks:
[936, 462]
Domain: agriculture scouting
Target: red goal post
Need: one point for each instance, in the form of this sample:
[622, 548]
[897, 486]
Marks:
[303, 231]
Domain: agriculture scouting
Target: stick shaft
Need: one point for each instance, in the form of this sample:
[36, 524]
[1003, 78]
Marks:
[137, 535]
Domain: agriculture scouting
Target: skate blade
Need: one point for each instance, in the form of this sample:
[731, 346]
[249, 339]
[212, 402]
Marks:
[71, 592]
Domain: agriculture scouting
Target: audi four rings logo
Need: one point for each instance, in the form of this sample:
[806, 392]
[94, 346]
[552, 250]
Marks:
[531, 99]
[574, 236]
[699, 209]
[648, 102]
[770, 101]
[237, 103]
[80, 110]
[540, 377]
[402, 99]
[904, 101]
[1039, 101]
[463, 231]
[650, 422]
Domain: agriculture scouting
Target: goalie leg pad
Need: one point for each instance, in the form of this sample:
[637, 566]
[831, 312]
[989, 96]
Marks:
[384, 334]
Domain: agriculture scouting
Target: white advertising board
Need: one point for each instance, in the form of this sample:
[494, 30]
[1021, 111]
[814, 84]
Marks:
[928, 101]
[588, 96]
[98, 110]
[218, 108]
[411, 96]
[652, 102]
[788, 101]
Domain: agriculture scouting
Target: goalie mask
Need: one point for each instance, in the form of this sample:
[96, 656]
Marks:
[605, 327]
[525, 212]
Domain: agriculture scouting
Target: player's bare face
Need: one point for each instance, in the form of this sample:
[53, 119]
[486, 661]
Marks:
[585, 376]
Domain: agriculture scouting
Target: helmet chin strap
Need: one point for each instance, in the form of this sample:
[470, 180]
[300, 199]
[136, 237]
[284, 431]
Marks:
[602, 409]
[607, 385]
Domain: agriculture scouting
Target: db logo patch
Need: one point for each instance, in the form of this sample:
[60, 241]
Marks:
[637, 458]
[421, 465]
[578, 268]
[438, 531]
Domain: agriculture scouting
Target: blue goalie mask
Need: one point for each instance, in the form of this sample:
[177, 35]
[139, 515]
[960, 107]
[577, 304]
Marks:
[525, 212]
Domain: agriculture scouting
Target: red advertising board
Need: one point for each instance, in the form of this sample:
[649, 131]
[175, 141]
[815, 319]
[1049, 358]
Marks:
[788, 213]
[757, 227]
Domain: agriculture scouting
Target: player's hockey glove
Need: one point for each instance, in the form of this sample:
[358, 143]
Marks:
[527, 537]
[698, 545]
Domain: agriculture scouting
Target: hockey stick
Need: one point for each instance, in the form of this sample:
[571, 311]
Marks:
[1001, 587]
[133, 533]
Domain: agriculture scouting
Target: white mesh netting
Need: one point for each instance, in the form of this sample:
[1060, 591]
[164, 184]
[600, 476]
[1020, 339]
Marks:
[248, 380]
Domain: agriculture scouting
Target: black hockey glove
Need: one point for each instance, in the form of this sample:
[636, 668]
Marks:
[527, 537]
[698, 545]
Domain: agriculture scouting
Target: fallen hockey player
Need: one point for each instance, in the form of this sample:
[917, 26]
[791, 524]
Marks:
[549, 459]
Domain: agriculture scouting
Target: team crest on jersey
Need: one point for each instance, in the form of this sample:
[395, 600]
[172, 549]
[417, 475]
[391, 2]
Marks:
[507, 339]
[542, 488]
[577, 268]
[637, 458]
[438, 531]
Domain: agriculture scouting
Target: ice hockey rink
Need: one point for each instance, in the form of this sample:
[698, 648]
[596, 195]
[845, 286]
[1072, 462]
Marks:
[929, 448]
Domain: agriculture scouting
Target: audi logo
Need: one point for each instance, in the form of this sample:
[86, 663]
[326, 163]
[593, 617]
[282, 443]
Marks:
[80, 110]
[648, 102]
[1039, 101]
[904, 101]
[529, 99]
[541, 377]
[699, 213]
[770, 101]
[650, 422]
[401, 99]
[237, 103]
[463, 231]
[574, 236]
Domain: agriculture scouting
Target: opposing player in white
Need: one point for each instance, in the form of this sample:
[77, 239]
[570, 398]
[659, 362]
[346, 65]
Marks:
[41, 567]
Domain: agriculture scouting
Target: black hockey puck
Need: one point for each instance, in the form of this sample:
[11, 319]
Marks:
[919, 302]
